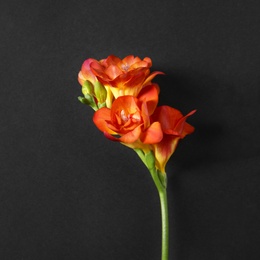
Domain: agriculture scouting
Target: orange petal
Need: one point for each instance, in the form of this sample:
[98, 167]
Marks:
[188, 129]
[151, 76]
[149, 94]
[132, 136]
[128, 104]
[100, 119]
[111, 60]
[181, 123]
[153, 134]
[149, 61]
[128, 138]
[135, 78]
[168, 117]
[98, 71]
[113, 72]
[129, 60]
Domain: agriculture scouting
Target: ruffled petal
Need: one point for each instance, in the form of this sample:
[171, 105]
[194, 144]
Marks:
[101, 119]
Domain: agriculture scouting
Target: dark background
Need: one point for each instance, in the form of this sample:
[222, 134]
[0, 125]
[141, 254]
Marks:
[66, 192]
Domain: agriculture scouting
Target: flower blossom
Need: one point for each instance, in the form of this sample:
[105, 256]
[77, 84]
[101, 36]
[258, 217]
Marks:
[128, 120]
[124, 77]
[174, 127]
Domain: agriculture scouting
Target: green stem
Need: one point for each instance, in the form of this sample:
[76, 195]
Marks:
[161, 187]
[165, 224]
[160, 180]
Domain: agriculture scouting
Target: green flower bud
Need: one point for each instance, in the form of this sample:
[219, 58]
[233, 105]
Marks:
[100, 92]
[87, 88]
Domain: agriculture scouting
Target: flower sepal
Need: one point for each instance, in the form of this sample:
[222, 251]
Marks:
[163, 178]
[88, 100]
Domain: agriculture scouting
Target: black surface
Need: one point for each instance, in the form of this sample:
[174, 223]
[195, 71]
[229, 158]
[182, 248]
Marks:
[66, 192]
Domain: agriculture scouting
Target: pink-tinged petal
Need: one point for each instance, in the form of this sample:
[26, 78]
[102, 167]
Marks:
[149, 94]
[86, 70]
[100, 119]
[151, 76]
[98, 71]
[153, 134]
[81, 78]
[164, 150]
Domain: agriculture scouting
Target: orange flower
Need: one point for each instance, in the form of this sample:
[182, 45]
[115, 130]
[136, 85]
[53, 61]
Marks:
[174, 128]
[128, 120]
[124, 77]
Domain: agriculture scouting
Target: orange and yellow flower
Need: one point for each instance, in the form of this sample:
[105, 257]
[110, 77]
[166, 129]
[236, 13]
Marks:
[125, 99]
[124, 77]
[128, 120]
[174, 127]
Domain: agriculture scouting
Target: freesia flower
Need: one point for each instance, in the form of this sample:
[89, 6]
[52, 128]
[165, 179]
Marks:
[128, 120]
[124, 77]
[174, 127]
[125, 102]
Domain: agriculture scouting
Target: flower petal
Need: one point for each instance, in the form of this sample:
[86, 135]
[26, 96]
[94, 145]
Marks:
[151, 76]
[113, 72]
[153, 134]
[86, 70]
[128, 138]
[149, 94]
[100, 119]
[164, 150]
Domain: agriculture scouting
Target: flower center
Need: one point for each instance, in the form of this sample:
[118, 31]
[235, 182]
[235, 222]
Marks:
[130, 118]
[125, 67]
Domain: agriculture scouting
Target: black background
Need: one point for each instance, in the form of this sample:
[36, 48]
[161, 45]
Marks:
[66, 192]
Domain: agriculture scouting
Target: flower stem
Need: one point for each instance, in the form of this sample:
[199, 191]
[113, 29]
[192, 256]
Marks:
[165, 224]
[160, 180]
[160, 183]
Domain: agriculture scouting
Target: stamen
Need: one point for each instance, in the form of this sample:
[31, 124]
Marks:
[125, 67]
[124, 116]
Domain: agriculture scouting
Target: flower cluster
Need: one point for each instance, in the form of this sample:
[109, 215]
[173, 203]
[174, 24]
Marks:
[125, 101]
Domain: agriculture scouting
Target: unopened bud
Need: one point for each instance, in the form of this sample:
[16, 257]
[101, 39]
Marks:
[100, 92]
[87, 88]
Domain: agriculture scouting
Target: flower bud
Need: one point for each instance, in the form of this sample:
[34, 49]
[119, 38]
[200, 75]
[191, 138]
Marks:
[100, 92]
[87, 88]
